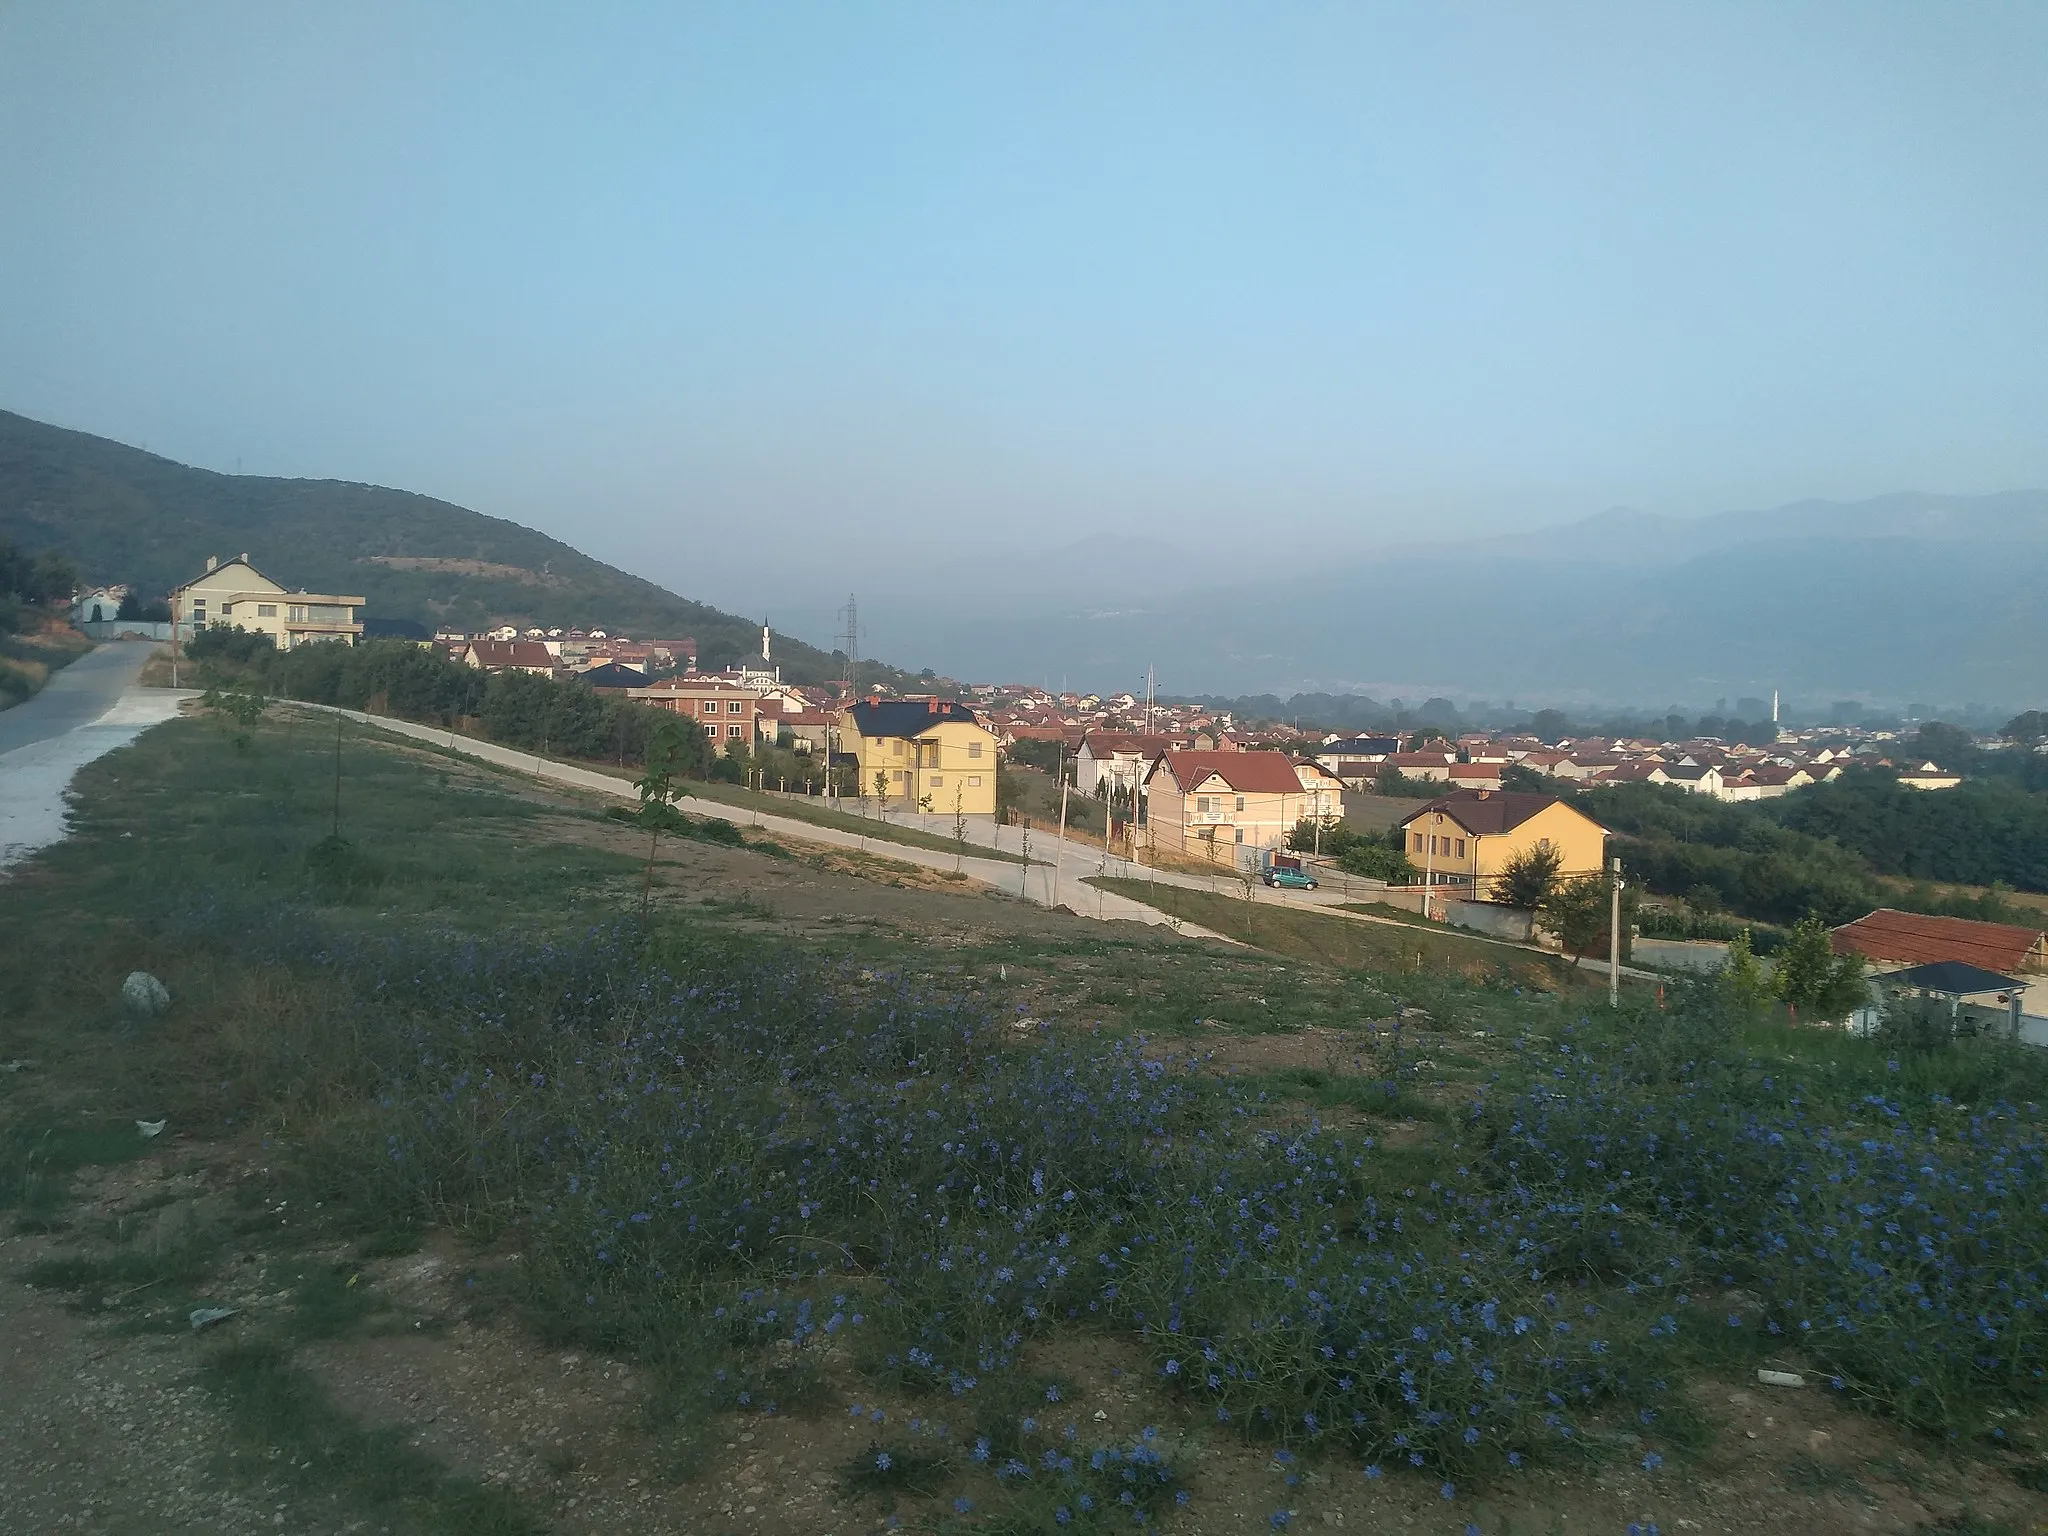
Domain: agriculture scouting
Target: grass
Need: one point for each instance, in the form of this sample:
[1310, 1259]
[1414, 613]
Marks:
[1342, 942]
[817, 814]
[28, 660]
[769, 1174]
[288, 1432]
[36, 1166]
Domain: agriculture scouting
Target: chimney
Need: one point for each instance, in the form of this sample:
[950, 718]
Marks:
[213, 562]
[244, 558]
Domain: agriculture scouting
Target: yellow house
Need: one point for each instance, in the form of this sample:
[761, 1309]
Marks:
[1464, 839]
[932, 754]
[236, 594]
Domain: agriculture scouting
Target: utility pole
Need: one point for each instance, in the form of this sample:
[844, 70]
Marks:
[1061, 846]
[1614, 939]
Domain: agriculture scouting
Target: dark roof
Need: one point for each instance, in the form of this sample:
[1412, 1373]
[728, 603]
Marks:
[613, 675]
[1487, 812]
[908, 717]
[1951, 978]
[395, 629]
[1359, 746]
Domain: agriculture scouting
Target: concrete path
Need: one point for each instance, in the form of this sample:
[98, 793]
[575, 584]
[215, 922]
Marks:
[77, 695]
[89, 709]
[1003, 876]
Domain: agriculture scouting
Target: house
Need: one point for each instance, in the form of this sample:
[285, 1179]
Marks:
[1928, 776]
[931, 754]
[511, 656]
[98, 605]
[1248, 800]
[1357, 759]
[613, 674]
[1473, 775]
[234, 593]
[1467, 837]
[1695, 778]
[724, 709]
[1914, 939]
[1116, 760]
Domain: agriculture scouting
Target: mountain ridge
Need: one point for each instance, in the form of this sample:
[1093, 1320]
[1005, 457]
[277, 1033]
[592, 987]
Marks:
[125, 514]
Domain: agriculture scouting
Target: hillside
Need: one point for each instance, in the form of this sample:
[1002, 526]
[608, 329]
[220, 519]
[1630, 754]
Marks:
[126, 515]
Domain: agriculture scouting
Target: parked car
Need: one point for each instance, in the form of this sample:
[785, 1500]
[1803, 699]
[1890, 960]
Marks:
[1293, 879]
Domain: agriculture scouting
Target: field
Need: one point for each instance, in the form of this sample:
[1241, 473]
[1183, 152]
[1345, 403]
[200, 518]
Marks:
[840, 1194]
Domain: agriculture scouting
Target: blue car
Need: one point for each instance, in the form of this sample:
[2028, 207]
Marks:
[1292, 879]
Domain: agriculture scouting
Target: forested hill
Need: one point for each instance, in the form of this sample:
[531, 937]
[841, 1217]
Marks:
[124, 515]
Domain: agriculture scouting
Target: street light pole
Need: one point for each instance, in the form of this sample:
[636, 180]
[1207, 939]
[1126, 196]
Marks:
[1614, 938]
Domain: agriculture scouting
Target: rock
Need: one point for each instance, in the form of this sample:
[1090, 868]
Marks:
[143, 994]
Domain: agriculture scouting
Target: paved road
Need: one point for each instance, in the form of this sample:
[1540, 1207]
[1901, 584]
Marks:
[77, 696]
[91, 708]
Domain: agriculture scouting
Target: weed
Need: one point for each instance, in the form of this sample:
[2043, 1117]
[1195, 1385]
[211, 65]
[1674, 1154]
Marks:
[290, 1432]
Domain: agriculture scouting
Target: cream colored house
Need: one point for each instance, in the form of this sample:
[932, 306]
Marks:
[1227, 805]
[233, 593]
[928, 754]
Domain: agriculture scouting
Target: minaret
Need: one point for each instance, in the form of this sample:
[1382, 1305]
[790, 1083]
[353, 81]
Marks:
[764, 645]
[1774, 706]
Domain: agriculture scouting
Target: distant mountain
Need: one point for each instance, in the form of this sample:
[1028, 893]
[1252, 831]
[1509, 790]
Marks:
[126, 515]
[1903, 598]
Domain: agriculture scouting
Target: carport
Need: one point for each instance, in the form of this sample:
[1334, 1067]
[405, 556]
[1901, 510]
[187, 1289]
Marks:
[1972, 999]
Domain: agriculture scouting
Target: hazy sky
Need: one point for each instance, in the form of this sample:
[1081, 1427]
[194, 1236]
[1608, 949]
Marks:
[757, 298]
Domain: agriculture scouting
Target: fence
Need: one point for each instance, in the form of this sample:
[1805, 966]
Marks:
[124, 629]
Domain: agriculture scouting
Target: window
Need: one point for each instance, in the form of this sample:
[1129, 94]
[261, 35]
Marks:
[711, 730]
[896, 750]
[298, 613]
[1461, 847]
[1240, 806]
[1202, 805]
[974, 750]
[1240, 835]
[936, 781]
[899, 775]
[733, 707]
[1418, 842]
[226, 609]
[266, 610]
[709, 706]
[974, 781]
[735, 731]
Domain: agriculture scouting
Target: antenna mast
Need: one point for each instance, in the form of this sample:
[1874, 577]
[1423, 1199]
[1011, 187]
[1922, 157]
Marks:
[851, 635]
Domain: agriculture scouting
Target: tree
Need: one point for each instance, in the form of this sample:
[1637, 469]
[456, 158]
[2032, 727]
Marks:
[1742, 975]
[1812, 976]
[1575, 911]
[1529, 876]
[242, 702]
[1948, 745]
[1550, 725]
[2027, 730]
[659, 791]
[1378, 858]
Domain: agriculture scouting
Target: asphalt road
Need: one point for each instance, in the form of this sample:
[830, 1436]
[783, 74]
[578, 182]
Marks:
[76, 696]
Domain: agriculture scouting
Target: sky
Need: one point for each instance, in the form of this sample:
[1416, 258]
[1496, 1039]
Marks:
[770, 301]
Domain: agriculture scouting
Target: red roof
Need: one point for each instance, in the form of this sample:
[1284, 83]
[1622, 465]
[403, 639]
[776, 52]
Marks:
[1888, 934]
[1101, 744]
[511, 653]
[1247, 773]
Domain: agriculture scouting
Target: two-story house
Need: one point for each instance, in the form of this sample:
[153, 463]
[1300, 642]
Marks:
[726, 711]
[236, 594]
[1248, 800]
[1116, 760]
[930, 754]
[1466, 838]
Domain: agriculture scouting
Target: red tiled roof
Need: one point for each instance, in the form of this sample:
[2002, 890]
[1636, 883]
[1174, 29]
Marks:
[511, 653]
[1888, 934]
[1101, 744]
[1247, 773]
